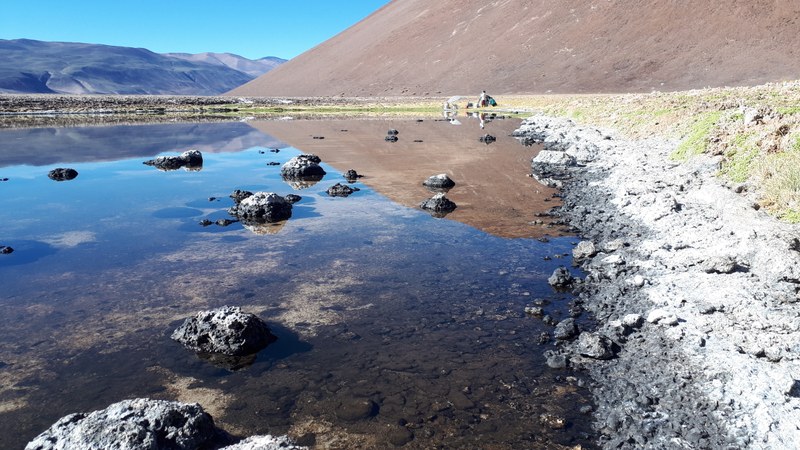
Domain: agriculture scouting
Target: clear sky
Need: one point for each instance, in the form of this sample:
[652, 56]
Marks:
[250, 28]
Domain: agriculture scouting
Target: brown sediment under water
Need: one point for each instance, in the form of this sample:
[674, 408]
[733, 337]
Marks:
[394, 327]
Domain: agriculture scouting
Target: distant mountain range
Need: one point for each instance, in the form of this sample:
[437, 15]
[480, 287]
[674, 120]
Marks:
[28, 66]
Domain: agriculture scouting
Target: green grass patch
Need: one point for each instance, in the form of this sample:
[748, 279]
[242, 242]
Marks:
[779, 178]
[697, 140]
[740, 155]
[789, 110]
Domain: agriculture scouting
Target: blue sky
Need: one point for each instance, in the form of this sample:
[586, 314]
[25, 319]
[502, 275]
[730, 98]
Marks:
[250, 28]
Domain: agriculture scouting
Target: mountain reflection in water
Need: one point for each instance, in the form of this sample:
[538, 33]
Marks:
[493, 191]
[373, 301]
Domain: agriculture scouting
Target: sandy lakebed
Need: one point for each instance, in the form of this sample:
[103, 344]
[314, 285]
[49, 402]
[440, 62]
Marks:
[694, 290]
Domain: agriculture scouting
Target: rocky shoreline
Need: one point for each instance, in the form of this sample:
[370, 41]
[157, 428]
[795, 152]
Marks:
[716, 363]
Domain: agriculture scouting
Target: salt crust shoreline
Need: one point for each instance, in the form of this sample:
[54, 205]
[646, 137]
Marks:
[717, 363]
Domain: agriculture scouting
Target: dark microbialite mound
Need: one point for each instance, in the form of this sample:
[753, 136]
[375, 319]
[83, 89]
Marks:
[418, 47]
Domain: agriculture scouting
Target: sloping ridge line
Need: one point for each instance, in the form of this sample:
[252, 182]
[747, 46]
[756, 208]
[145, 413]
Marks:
[448, 47]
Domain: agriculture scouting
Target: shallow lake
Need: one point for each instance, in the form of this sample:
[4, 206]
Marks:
[373, 300]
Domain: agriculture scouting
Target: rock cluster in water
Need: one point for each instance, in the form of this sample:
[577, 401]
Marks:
[62, 174]
[6, 250]
[225, 330]
[341, 190]
[191, 160]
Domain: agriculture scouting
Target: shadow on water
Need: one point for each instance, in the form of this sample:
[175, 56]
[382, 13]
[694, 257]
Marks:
[393, 328]
[285, 344]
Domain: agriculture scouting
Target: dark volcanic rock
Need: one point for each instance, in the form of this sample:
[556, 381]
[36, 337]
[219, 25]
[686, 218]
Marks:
[441, 181]
[262, 207]
[292, 198]
[438, 205]
[224, 330]
[392, 132]
[341, 190]
[356, 409]
[62, 174]
[303, 166]
[351, 175]
[487, 139]
[391, 138]
[566, 329]
[239, 195]
[191, 159]
[138, 424]
[6, 250]
[561, 278]
[595, 345]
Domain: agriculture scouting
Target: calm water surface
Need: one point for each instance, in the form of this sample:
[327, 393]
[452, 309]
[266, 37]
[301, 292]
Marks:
[374, 301]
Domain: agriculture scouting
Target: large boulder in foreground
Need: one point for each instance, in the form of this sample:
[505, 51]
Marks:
[145, 424]
[266, 442]
[303, 166]
[138, 424]
[191, 159]
[225, 330]
[261, 207]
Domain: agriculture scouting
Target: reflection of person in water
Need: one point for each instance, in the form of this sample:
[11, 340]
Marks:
[482, 117]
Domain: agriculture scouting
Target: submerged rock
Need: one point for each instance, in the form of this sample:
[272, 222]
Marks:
[292, 198]
[438, 205]
[262, 207]
[302, 167]
[440, 181]
[62, 174]
[136, 424]
[566, 329]
[191, 159]
[341, 190]
[487, 139]
[351, 176]
[239, 195]
[6, 250]
[391, 138]
[225, 330]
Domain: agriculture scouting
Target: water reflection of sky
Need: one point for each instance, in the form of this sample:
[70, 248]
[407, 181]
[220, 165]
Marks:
[105, 264]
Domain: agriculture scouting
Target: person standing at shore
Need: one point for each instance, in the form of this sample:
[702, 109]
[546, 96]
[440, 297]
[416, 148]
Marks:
[482, 100]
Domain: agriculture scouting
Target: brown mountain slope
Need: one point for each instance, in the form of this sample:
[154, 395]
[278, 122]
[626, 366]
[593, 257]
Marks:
[446, 47]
